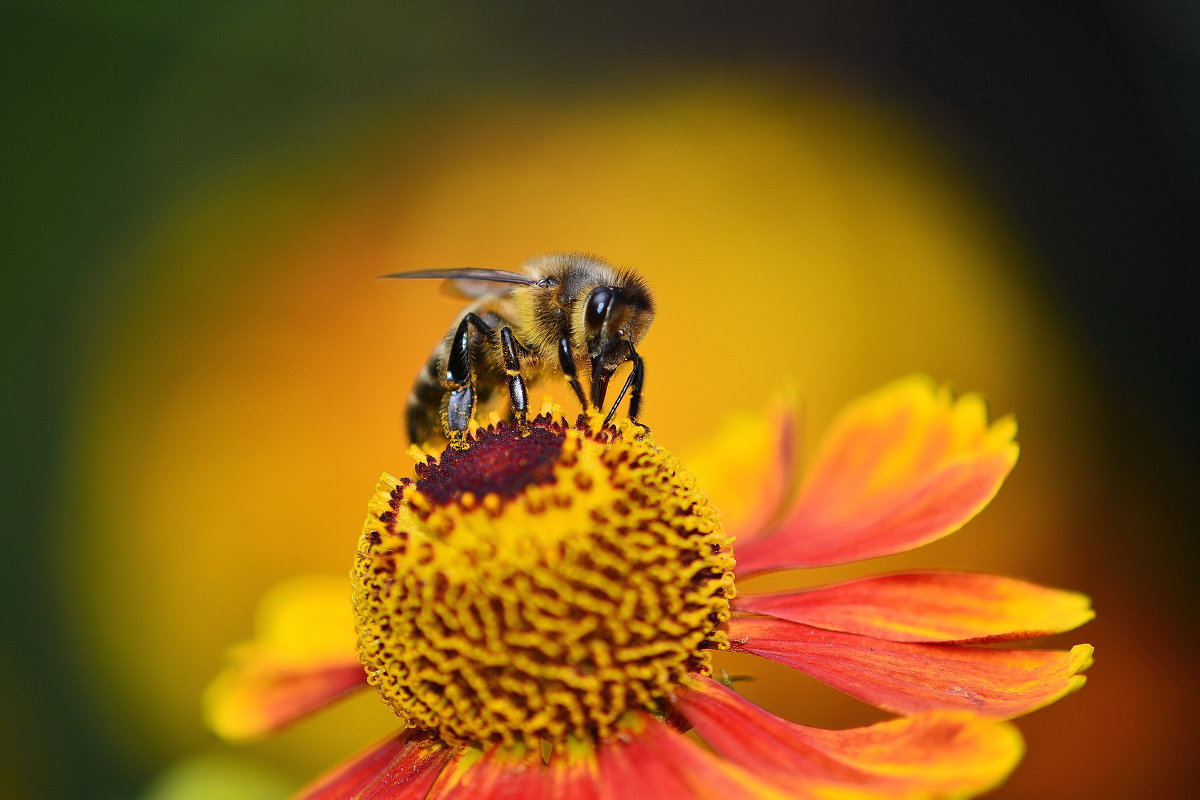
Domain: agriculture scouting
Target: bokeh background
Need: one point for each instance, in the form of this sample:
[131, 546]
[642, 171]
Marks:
[202, 379]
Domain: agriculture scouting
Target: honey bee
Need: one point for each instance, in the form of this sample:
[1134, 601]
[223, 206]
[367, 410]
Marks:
[567, 312]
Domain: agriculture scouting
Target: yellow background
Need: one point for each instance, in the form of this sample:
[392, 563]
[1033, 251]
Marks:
[239, 386]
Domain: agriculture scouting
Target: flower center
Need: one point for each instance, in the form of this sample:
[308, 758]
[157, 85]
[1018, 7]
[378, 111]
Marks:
[539, 587]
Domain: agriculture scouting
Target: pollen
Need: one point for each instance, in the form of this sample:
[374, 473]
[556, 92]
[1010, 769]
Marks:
[540, 584]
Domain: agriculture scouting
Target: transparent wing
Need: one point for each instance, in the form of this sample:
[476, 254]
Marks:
[469, 282]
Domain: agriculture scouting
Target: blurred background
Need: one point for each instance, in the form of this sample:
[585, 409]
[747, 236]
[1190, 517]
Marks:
[203, 380]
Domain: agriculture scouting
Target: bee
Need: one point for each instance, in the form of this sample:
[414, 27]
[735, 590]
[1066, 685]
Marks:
[565, 313]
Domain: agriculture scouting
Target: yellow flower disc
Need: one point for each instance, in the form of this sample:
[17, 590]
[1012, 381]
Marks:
[539, 586]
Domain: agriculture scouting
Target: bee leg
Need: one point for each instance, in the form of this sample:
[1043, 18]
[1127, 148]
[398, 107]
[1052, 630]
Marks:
[567, 363]
[516, 384]
[635, 381]
[460, 408]
[460, 378]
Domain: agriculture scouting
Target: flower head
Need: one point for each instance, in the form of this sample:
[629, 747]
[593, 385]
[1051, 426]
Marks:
[539, 586]
[540, 607]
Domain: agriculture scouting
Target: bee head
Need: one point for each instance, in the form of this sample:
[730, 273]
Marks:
[615, 318]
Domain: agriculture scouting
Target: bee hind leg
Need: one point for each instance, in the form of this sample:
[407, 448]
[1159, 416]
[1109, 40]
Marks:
[460, 383]
[459, 379]
[460, 408]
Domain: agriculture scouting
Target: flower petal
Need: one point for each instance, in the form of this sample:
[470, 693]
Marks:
[929, 606]
[907, 678]
[749, 468]
[256, 695]
[656, 761]
[302, 659]
[936, 753]
[899, 468]
[573, 773]
[401, 767]
[491, 775]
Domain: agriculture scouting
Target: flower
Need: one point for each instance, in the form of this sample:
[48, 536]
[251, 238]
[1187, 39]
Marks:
[541, 609]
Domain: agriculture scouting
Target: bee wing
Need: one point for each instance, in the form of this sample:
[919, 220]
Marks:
[469, 282]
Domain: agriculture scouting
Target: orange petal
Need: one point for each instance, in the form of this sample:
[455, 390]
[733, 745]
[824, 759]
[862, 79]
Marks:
[929, 606]
[749, 469]
[939, 753]
[302, 659]
[255, 696]
[907, 678]
[899, 468]
[498, 774]
[573, 773]
[402, 767]
[655, 761]
[492, 775]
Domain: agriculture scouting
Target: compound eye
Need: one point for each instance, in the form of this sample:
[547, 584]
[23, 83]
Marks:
[599, 303]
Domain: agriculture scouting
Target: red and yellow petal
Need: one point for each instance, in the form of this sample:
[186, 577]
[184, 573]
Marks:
[653, 760]
[573, 772]
[402, 767]
[899, 468]
[649, 757]
[936, 754]
[302, 659]
[496, 773]
[748, 469]
[929, 606]
[515, 772]
[256, 695]
[908, 678]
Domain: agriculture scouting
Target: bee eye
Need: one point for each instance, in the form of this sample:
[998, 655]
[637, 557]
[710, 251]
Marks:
[598, 304]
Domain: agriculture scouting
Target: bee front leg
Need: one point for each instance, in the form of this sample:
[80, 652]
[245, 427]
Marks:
[567, 362]
[633, 385]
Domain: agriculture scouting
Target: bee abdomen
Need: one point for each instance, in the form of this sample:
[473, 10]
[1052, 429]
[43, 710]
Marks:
[422, 415]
